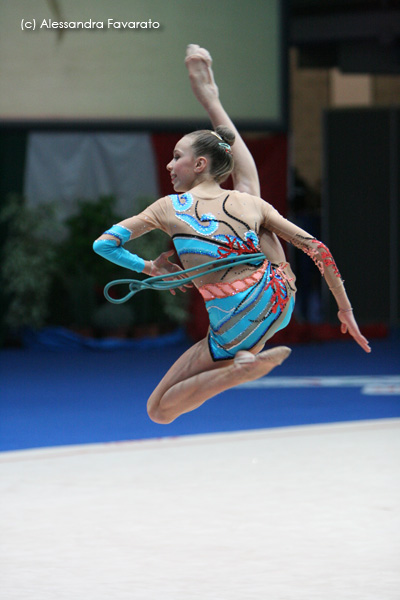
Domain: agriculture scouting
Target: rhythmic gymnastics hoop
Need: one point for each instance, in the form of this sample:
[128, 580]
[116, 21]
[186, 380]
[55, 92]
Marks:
[166, 282]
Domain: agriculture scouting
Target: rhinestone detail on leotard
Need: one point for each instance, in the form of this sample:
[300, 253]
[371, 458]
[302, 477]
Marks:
[193, 222]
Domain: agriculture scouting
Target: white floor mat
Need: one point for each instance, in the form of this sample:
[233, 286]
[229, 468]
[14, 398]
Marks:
[293, 513]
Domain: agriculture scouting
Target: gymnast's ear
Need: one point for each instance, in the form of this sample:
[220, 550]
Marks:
[201, 164]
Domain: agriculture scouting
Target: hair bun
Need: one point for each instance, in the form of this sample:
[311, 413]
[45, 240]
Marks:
[227, 134]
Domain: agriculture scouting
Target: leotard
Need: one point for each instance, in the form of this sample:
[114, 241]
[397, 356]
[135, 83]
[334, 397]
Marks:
[246, 303]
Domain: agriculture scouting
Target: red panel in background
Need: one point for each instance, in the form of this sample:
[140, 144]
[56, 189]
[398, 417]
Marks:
[270, 155]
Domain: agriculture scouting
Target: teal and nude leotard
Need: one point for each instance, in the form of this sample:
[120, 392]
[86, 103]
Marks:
[242, 312]
[246, 303]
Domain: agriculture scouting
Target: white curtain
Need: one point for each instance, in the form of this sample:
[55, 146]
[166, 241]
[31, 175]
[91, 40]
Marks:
[64, 167]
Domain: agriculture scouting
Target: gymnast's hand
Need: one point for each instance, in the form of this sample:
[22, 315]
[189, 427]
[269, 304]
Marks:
[348, 323]
[163, 266]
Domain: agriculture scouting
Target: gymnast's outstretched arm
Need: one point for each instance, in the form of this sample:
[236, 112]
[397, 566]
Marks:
[325, 262]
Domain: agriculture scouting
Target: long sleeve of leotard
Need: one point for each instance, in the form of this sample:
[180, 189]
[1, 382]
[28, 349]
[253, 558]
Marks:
[110, 245]
[154, 216]
[315, 249]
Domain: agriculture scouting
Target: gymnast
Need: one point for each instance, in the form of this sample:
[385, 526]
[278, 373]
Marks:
[246, 303]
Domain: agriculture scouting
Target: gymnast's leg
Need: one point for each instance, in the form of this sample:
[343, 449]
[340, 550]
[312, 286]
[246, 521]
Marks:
[195, 377]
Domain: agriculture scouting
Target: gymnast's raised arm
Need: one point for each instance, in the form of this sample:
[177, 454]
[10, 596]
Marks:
[199, 64]
[244, 175]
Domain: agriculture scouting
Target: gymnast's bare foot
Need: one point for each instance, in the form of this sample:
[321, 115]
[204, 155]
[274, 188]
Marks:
[257, 365]
[198, 62]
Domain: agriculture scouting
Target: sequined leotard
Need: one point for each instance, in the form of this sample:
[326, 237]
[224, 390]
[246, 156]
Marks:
[246, 303]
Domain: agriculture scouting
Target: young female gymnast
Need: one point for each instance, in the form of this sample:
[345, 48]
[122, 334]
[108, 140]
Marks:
[246, 303]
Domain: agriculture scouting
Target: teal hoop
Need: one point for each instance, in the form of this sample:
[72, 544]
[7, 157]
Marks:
[159, 282]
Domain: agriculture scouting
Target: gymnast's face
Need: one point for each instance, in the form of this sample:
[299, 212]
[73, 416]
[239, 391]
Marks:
[184, 168]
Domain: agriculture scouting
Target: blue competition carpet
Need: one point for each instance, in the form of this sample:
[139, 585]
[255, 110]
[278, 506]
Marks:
[79, 396]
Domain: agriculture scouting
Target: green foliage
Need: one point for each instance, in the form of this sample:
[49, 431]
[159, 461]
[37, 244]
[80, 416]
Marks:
[89, 221]
[81, 275]
[51, 276]
[78, 298]
[28, 256]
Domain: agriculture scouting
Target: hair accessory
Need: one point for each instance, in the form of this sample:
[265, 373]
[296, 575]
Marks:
[226, 147]
[216, 135]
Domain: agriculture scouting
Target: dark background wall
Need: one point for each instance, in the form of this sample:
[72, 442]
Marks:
[347, 149]
[360, 203]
